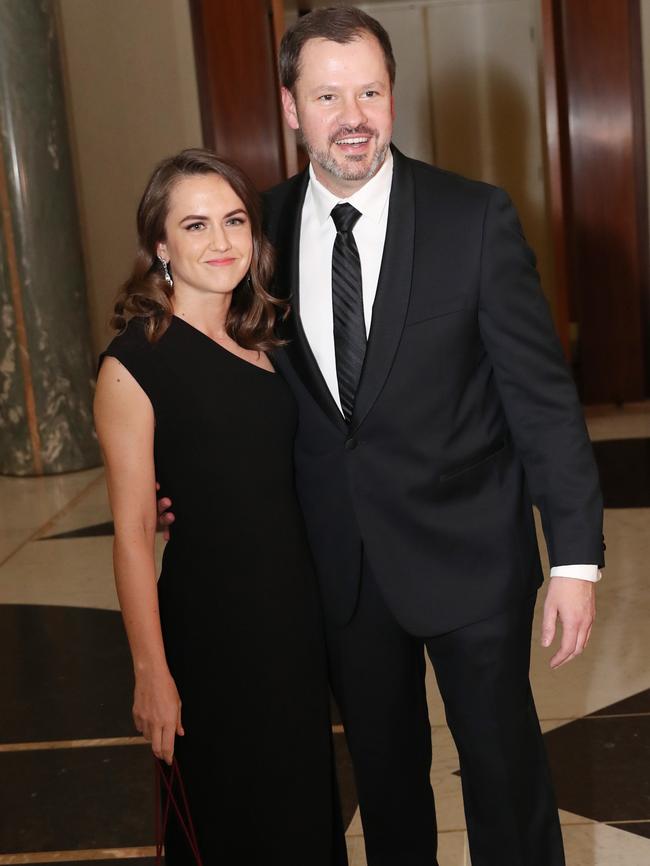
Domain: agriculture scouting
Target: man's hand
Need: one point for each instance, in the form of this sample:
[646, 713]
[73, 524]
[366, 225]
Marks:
[574, 602]
[165, 517]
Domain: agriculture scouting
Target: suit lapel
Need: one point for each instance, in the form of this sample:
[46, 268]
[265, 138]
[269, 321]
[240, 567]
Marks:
[287, 283]
[393, 289]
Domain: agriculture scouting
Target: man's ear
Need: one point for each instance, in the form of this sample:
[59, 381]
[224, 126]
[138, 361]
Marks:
[289, 108]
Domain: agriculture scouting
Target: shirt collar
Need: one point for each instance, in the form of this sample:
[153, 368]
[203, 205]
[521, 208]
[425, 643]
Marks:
[371, 200]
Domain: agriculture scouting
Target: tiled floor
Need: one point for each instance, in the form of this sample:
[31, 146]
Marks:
[76, 785]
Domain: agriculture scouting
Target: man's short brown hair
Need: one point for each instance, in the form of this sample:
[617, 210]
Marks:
[340, 24]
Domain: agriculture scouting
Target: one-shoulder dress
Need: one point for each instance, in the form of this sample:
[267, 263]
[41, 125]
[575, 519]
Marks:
[239, 607]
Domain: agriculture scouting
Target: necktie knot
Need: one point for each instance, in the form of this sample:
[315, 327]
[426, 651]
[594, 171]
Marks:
[345, 217]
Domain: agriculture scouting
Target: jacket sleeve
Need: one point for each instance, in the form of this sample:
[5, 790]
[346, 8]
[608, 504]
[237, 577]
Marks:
[537, 392]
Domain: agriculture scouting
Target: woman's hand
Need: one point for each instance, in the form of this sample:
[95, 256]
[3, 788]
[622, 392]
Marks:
[157, 712]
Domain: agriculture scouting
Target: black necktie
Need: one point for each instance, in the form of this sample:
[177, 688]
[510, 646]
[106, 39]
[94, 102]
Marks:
[347, 303]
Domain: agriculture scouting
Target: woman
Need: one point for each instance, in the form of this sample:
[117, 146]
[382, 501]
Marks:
[227, 648]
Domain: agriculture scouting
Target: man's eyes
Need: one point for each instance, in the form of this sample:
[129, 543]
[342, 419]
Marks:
[329, 97]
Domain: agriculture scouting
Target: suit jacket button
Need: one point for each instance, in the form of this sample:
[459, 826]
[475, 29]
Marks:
[351, 444]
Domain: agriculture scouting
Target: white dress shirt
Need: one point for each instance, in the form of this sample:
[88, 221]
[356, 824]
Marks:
[317, 235]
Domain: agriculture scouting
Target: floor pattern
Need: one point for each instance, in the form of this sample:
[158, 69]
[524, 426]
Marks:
[76, 784]
[600, 764]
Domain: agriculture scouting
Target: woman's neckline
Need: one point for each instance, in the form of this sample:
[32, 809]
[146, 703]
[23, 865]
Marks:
[222, 348]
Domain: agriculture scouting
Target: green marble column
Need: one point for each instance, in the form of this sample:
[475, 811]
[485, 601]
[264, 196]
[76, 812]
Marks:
[46, 367]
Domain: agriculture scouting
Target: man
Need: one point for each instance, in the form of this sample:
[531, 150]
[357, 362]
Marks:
[434, 406]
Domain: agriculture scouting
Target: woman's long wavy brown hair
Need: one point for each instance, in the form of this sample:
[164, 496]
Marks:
[253, 312]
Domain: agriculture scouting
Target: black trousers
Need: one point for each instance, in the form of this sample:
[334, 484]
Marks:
[377, 671]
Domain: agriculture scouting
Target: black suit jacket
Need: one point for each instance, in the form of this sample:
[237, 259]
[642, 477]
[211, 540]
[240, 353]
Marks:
[465, 414]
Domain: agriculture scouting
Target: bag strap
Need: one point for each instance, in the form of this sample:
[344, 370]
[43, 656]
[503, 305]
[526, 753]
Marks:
[182, 809]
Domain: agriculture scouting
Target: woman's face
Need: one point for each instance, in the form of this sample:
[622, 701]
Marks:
[208, 236]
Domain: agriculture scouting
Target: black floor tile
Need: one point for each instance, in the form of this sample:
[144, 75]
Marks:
[66, 675]
[639, 828]
[70, 799]
[113, 861]
[95, 531]
[600, 767]
[624, 466]
[639, 703]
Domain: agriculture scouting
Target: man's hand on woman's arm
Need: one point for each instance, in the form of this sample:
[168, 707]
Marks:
[165, 517]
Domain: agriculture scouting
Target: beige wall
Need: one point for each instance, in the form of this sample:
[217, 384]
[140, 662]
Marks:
[468, 98]
[132, 99]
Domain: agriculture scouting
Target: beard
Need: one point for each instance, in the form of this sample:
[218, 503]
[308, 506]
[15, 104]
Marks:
[351, 169]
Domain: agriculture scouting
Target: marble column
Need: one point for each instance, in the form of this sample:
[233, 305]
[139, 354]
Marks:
[46, 364]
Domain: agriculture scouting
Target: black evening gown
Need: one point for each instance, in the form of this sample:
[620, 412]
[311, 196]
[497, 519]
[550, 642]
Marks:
[239, 607]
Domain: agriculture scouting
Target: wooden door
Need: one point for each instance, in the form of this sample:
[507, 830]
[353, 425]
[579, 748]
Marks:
[236, 63]
[595, 125]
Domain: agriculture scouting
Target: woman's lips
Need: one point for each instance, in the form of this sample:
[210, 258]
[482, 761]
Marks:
[217, 263]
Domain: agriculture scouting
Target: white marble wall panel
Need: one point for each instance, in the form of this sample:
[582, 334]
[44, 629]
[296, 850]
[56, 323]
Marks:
[44, 338]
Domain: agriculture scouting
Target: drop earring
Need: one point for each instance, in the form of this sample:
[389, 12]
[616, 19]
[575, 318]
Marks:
[168, 276]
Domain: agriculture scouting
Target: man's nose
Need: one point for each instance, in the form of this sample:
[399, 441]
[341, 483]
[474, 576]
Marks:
[352, 113]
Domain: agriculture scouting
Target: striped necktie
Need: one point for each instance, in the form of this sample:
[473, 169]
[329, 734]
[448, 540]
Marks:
[347, 303]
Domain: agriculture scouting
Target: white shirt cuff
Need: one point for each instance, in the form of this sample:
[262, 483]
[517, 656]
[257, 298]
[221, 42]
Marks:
[581, 572]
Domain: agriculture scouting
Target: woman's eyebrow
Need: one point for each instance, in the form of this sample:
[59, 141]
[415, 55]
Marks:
[193, 217]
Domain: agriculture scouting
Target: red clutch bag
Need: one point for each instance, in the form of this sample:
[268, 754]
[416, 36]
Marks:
[170, 779]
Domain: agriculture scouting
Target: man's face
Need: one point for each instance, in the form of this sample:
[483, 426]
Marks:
[342, 106]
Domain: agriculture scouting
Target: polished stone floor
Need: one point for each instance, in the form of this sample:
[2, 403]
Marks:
[76, 785]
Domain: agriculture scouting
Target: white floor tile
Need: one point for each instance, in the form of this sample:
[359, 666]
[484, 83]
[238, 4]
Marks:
[27, 503]
[73, 573]
[446, 786]
[586, 844]
[452, 850]
[90, 509]
[631, 422]
[70, 572]
[11, 540]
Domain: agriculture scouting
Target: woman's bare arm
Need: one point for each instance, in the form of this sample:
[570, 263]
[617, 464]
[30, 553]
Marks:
[125, 426]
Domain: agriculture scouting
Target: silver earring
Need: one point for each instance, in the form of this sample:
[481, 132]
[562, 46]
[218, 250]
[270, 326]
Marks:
[168, 276]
